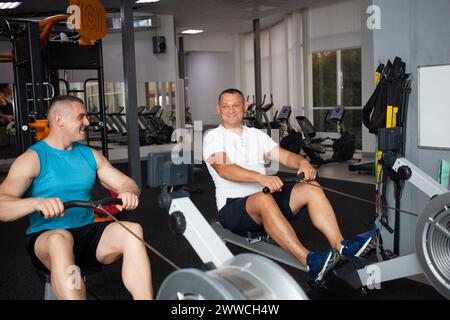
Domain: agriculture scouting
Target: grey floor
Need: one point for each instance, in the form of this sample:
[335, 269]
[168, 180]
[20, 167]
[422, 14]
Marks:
[339, 170]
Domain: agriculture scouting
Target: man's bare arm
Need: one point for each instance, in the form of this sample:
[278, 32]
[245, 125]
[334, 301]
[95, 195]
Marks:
[236, 173]
[116, 181]
[231, 171]
[286, 158]
[20, 177]
[292, 161]
[113, 179]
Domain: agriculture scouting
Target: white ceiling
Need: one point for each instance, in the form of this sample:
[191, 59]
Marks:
[211, 15]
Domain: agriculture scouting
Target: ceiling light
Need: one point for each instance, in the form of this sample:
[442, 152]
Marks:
[9, 5]
[191, 31]
[146, 1]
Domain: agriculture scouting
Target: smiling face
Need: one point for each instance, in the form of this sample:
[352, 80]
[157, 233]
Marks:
[69, 120]
[76, 122]
[231, 108]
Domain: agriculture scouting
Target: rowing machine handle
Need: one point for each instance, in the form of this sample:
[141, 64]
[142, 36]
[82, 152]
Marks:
[294, 179]
[92, 204]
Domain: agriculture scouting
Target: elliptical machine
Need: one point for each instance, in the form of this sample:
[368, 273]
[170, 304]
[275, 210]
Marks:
[343, 147]
[253, 110]
[290, 139]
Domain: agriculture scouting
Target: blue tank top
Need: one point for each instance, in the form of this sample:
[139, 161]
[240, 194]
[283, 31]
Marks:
[65, 174]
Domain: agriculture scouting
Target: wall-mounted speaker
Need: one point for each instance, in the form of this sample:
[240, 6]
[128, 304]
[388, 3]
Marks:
[159, 44]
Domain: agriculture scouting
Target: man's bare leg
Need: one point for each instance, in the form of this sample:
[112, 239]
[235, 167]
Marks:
[319, 209]
[136, 272]
[264, 209]
[55, 250]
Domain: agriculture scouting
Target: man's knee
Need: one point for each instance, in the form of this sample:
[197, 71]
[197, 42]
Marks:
[53, 245]
[261, 203]
[136, 228]
[58, 240]
[116, 240]
[306, 191]
[262, 199]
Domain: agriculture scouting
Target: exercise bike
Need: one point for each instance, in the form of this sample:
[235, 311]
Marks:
[253, 112]
[343, 147]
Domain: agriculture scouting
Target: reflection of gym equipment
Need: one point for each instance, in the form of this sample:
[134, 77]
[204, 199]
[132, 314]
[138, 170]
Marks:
[152, 129]
[343, 147]
[245, 276]
[156, 131]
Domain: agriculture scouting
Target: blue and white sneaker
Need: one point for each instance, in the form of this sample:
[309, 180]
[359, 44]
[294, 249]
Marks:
[319, 263]
[357, 248]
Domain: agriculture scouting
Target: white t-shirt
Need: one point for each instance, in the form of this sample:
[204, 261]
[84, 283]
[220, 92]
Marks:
[246, 150]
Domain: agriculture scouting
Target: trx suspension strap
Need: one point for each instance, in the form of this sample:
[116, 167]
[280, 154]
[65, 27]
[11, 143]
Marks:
[383, 111]
[394, 93]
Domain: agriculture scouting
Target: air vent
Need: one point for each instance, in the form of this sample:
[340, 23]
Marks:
[141, 23]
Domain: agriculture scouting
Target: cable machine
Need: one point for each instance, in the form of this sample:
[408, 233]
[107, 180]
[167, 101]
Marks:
[38, 57]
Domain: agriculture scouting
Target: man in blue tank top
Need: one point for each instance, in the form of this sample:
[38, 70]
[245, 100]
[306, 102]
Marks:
[59, 169]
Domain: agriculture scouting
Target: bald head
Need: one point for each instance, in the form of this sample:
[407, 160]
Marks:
[61, 105]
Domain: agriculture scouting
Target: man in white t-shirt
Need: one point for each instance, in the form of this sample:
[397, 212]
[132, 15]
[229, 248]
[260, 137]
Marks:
[234, 155]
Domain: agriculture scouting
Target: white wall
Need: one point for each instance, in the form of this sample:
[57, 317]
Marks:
[149, 66]
[209, 73]
[368, 67]
[220, 42]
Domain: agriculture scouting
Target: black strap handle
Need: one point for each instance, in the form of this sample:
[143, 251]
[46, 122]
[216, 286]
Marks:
[91, 204]
[293, 179]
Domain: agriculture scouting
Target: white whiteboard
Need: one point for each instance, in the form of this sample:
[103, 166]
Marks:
[434, 107]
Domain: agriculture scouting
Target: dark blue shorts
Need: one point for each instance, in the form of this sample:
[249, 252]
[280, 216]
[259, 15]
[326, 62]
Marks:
[234, 216]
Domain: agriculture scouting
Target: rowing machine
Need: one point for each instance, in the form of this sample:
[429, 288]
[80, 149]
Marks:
[245, 276]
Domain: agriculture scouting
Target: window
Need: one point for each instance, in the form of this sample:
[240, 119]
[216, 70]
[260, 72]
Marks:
[324, 79]
[337, 81]
[351, 77]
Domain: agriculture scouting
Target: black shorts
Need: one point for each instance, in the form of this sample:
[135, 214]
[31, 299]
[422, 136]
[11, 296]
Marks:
[86, 239]
[234, 216]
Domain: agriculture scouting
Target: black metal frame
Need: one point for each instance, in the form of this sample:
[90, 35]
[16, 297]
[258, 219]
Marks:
[27, 71]
[33, 67]
[70, 56]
